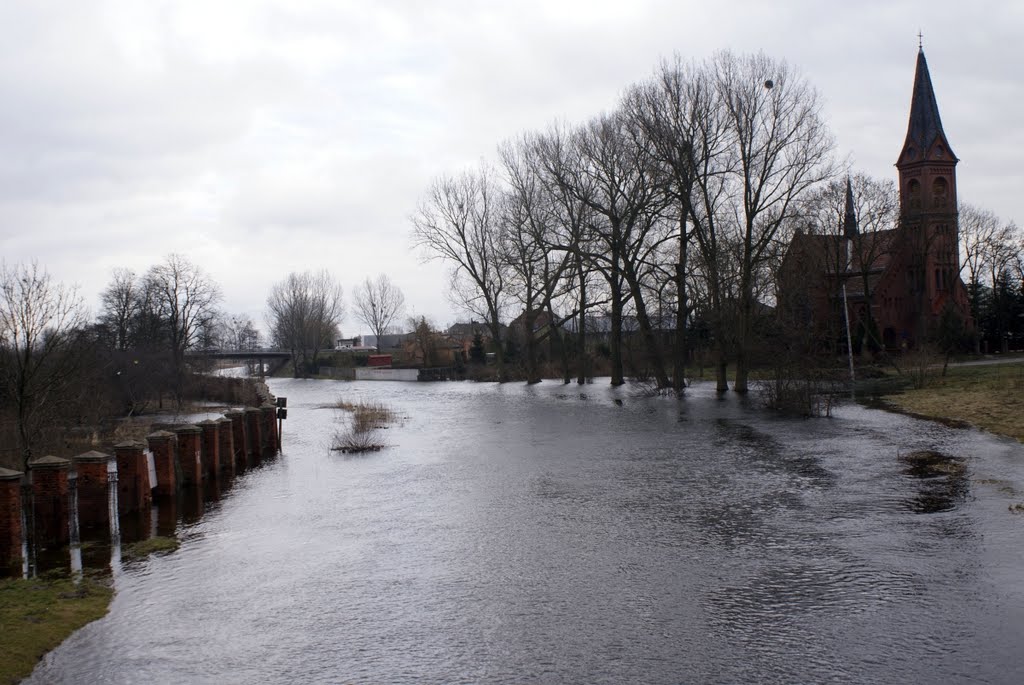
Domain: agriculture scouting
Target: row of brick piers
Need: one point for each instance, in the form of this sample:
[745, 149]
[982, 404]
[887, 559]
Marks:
[58, 498]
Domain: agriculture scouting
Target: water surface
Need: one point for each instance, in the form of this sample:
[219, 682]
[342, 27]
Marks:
[558, 533]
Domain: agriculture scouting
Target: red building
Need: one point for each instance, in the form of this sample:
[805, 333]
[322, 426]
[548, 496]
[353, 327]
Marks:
[899, 282]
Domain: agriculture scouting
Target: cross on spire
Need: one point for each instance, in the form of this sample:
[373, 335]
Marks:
[920, 40]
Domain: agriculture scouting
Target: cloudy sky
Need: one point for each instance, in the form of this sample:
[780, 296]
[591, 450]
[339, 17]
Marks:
[260, 137]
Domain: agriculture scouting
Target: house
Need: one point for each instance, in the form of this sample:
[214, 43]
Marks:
[900, 282]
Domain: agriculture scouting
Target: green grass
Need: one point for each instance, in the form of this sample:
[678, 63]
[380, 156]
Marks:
[154, 545]
[989, 397]
[37, 615]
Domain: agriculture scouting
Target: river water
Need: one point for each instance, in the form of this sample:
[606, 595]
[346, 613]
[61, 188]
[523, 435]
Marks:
[561, 534]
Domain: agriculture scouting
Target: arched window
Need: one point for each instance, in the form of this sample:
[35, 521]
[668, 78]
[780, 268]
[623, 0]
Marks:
[940, 190]
[914, 194]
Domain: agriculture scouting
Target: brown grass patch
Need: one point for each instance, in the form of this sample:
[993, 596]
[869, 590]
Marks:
[988, 397]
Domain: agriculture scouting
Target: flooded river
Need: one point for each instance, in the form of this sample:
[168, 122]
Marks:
[559, 534]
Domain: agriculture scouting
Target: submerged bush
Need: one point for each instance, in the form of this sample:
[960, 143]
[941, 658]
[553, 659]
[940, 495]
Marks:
[360, 429]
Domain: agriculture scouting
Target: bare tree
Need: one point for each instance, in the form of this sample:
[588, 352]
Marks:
[237, 332]
[609, 172]
[40, 322]
[457, 221]
[186, 297]
[782, 148]
[378, 303]
[666, 110]
[532, 246]
[304, 313]
[573, 224]
[984, 241]
[120, 307]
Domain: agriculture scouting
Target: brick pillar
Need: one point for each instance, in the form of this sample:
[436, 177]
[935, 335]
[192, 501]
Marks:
[188, 454]
[10, 520]
[269, 413]
[161, 444]
[50, 500]
[210, 448]
[133, 488]
[225, 433]
[239, 436]
[253, 418]
[93, 489]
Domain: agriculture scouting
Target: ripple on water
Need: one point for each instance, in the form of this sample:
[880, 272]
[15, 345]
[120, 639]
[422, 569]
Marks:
[552, 534]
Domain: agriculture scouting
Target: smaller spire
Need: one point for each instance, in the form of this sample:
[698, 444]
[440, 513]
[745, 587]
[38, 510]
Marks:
[850, 228]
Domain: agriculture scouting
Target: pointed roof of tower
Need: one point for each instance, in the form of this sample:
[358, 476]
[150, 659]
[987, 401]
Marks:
[925, 124]
[850, 228]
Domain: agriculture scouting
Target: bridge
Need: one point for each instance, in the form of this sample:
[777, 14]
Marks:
[269, 359]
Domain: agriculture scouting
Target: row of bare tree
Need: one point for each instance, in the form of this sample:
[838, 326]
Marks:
[305, 310]
[674, 207]
[674, 200]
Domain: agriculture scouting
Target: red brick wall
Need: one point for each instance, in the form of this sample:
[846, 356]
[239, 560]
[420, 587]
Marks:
[188, 455]
[93, 490]
[10, 523]
[270, 427]
[240, 436]
[50, 504]
[162, 444]
[210, 449]
[253, 419]
[133, 488]
[226, 436]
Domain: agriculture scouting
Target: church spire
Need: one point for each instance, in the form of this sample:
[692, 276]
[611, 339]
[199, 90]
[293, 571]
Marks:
[850, 228]
[925, 125]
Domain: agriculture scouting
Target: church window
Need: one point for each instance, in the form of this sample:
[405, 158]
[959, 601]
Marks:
[914, 194]
[938, 281]
[940, 191]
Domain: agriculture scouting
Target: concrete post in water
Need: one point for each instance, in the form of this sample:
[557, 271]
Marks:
[239, 436]
[210, 448]
[10, 520]
[188, 454]
[161, 444]
[253, 419]
[225, 436]
[50, 500]
[134, 491]
[269, 413]
[93, 489]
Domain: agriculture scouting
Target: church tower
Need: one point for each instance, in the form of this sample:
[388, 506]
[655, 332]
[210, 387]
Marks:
[928, 208]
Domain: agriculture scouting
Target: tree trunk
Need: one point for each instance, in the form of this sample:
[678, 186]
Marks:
[581, 332]
[532, 372]
[651, 342]
[679, 351]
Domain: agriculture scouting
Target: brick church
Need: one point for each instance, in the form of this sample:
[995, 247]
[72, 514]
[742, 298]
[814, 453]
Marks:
[899, 282]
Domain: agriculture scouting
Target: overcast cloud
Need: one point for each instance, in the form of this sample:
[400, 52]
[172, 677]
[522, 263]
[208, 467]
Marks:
[263, 137]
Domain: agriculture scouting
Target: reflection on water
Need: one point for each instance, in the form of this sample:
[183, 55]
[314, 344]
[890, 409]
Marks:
[523, 534]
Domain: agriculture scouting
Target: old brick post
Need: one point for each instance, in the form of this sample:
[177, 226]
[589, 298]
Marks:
[93, 489]
[253, 419]
[269, 413]
[50, 500]
[210, 448]
[162, 445]
[239, 436]
[133, 488]
[10, 520]
[225, 435]
[188, 454]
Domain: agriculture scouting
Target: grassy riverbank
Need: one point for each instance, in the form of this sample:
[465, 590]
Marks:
[37, 615]
[989, 397]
